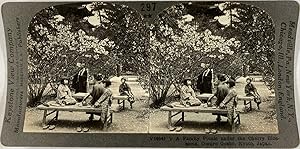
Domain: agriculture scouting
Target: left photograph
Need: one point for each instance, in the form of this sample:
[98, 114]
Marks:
[84, 60]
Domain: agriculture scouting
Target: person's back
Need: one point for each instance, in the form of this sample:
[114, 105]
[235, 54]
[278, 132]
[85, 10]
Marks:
[221, 93]
[97, 92]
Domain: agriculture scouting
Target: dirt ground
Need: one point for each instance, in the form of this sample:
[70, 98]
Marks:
[141, 119]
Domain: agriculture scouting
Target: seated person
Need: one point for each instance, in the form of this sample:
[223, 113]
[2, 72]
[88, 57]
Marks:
[104, 102]
[229, 102]
[125, 90]
[97, 92]
[98, 89]
[64, 95]
[187, 94]
[250, 90]
[222, 91]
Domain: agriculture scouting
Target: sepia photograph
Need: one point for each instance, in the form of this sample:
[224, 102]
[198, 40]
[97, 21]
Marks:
[196, 68]
[84, 60]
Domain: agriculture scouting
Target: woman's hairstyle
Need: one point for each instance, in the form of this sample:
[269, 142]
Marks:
[231, 83]
[98, 77]
[63, 79]
[250, 79]
[185, 81]
[106, 83]
[222, 78]
[123, 79]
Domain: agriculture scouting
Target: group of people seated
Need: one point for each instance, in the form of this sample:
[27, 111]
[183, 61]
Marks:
[101, 95]
[225, 94]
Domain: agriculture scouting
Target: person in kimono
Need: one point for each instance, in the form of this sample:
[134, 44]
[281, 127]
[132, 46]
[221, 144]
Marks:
[230, 102]
[80, 80]
[187, 94]
[250, 90]
[204, 82]
[64, 95]
[221, 92]
[125, 90]
[104, 102]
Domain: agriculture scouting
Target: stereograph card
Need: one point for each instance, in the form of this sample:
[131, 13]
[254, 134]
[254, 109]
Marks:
[207, 74]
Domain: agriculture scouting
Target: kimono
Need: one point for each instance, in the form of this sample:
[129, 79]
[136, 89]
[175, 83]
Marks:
[221, 93]
[125, 90]
[204, 82]
[188, 96]
[104, 103]
[80, 83]
[97, 92]
[64, 95]
[230, 104]
[250, 90]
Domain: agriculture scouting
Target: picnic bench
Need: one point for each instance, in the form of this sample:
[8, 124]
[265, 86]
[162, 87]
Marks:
[204, 96]
[121, 100]
[199, 109]
[71, 108]
[247, 102]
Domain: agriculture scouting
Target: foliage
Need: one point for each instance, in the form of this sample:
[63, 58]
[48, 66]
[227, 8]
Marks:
[57, 43]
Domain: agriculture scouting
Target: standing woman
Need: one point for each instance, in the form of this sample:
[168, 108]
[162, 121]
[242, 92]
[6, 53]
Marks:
[80, 80]
[205, 81]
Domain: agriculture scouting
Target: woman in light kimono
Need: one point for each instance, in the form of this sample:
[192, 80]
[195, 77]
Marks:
[64, 95]
[187, 94]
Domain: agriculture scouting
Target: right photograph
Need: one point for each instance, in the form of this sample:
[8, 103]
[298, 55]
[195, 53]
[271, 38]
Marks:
[212, 70]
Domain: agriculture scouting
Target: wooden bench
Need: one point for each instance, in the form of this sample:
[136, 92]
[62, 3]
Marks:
[247, 102]
[73, 108]
[204, 96]
[80, 96]
[121, 100]
[199, 109]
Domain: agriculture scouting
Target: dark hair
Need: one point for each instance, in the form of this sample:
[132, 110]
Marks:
[98, 77]
[231, 83]
[107, 83]
[123, 79]
[185, 81]
[222, 78]
[63, 79]
[250, 79]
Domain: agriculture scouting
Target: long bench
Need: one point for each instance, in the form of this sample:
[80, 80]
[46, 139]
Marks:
[199, 109]
[247, 100]
[72, 108]
[121, 99]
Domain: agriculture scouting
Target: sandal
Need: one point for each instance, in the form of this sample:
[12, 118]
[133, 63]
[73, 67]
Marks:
[79, 129]
[171, 128]
[178, 129]
[51, 127]
[86, 129]
[207, 131]
[46, 127]
[213, 131]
